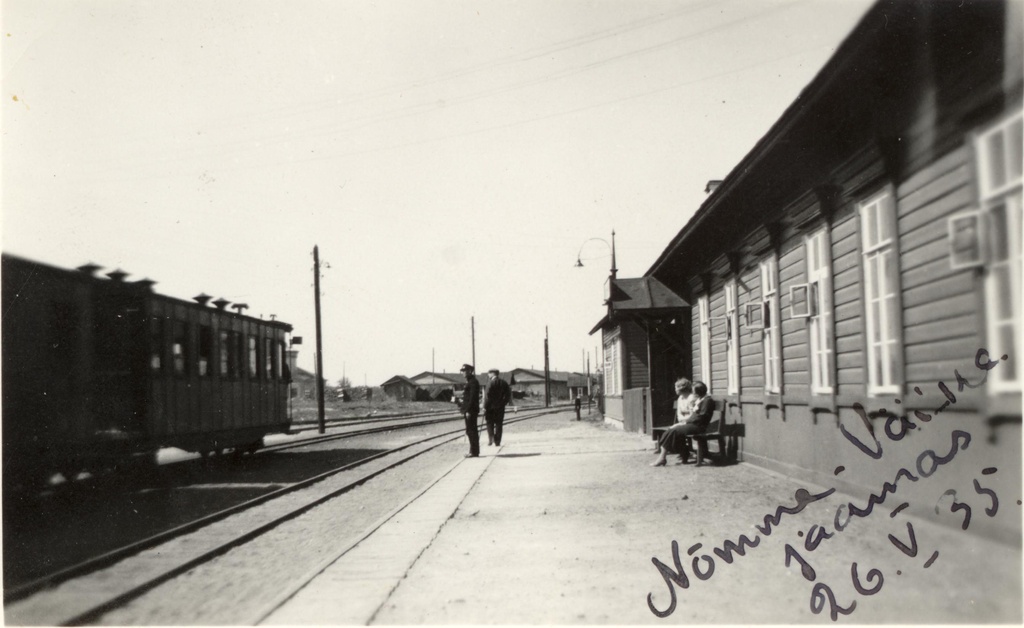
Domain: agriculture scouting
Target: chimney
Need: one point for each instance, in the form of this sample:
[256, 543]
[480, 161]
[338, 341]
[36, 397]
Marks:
[89, 269]
[712, 185]
[202, 299]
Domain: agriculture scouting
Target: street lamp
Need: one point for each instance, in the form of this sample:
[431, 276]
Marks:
[611, 248]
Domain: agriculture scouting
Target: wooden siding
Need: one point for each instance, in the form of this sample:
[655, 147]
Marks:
[634, 348]
[903, 120]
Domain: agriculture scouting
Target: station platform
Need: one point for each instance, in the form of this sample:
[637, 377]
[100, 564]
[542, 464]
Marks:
[564, 522]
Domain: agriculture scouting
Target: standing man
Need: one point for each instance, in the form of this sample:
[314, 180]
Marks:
[497, 397]
[471, 409]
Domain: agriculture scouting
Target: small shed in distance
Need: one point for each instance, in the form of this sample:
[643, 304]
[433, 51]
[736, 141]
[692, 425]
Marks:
[437, 386]
[303, 384]
[400, 388]
[531, 382]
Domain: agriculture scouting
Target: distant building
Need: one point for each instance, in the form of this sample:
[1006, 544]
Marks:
[531, 382]
[438, 386]
[579, 386]
[303, 384]
[400, 388]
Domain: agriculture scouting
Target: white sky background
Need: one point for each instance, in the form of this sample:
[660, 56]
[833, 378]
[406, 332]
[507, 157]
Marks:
[449, 157]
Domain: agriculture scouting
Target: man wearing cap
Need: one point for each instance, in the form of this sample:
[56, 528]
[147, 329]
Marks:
[471, 409]
[495, 399]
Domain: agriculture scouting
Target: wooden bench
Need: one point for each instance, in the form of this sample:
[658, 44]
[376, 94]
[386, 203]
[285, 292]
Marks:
[719, 430]
[714, 431]
[725, 434]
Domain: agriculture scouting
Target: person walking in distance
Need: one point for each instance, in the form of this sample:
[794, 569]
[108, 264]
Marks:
[495, 399]
[471, 409]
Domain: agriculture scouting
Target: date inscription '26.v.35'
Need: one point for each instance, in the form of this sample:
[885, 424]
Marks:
[702, 566]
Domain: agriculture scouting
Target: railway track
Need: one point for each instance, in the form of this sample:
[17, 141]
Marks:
[83, 593]
[392, 423]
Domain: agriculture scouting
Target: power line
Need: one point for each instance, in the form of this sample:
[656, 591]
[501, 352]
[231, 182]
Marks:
[423, 108]
[514, 124]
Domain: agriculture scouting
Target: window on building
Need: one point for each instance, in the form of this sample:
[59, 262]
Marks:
[771, 340]
[882, 320]
[819, 279]
[268, 359]
[612, 365]
[704, 309]
[732, 339]
[998, 153]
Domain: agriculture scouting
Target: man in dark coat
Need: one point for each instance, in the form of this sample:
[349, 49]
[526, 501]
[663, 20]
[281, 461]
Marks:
[471, 409]
[495, 399]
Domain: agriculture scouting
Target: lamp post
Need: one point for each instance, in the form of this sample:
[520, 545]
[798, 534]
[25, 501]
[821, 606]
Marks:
[611, 277]
[611, 248]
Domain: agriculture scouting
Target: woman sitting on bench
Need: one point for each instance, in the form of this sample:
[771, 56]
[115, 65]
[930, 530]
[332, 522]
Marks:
[676, 438]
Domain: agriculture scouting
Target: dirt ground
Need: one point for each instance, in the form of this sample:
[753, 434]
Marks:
[565, 526]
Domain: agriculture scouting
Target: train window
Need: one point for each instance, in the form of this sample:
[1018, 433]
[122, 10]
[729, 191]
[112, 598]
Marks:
[179, 348]
[224, 347]
[205, 351]
[253, 372]
[65, 334]
[237, 353]
[268, 358]
[156, 344]
[279, 366]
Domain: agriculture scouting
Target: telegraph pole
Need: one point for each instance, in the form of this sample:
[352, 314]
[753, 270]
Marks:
[319, 343]
[547, 371]
[472, 333]
[590, 393]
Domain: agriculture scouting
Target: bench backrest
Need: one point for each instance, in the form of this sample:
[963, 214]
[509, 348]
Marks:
[717, 424]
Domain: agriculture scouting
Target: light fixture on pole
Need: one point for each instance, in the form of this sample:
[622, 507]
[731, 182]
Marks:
[611, 248]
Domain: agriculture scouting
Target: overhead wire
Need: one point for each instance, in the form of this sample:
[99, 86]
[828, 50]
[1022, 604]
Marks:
[335, 129]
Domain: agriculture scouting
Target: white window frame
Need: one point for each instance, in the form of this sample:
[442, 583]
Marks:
[704, 312]
[883, 320]
[771, 338]
[613, 364]
[1002, 306]
[732, 339]
[821, 346]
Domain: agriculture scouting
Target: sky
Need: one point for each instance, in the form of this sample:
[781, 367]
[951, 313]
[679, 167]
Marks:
[449, 158]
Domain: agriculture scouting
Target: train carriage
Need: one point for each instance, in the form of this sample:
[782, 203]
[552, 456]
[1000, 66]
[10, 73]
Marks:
[99, 372]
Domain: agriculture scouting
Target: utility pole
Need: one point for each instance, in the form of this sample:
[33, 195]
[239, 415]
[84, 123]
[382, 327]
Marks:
[547, 372]
[472, 333]
[590, 393]
[319, 343]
